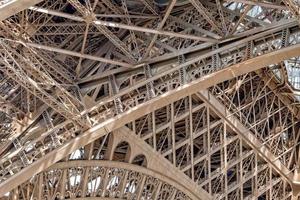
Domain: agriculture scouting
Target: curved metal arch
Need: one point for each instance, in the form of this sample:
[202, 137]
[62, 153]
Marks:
[144, 162]
[100, 179]
[127, 154]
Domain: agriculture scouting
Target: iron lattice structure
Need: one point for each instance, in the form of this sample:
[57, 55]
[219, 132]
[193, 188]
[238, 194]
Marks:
[149, 99]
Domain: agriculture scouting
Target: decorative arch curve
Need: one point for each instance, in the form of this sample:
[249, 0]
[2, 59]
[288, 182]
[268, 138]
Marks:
[103, 180]
[122, 152]
[140, 160]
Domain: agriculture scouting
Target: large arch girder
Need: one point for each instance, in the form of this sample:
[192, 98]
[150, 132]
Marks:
[117, 176]
[53, 179]
[190, 88]
[245, 163]
[195, 67]
[108, 178]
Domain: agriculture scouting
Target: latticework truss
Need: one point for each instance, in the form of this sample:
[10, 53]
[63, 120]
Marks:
[150, 99]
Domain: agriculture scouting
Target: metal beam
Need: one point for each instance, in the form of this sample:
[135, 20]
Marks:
[77, 54]
[11, 7]
[124, 26]
[257, 3]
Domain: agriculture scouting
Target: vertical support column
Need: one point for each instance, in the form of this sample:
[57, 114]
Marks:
[140, 190]
[249, 50]
[208, 146]
[173, 135]
[40, 186]
[63, 182]
[187, 106]
[296, 186]
[115, 90]
[88, 151]
[285, 38]
[182, 70]
[149, 85]
[225, 155]
[78, 95]
[137, 54]
[241, 182]
[169, 119]
[270, 183]
[154, 130]
[15, 194]
[183, 78]
[284, 43]
[256, 175]
[215, 59]
[50, 126]
[221, 14]
[22, 154]
[191, 132]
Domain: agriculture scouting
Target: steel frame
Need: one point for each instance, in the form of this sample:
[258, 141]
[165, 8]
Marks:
[201, 87]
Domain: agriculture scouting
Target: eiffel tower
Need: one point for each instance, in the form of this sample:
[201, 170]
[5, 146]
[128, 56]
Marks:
[149, 99]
